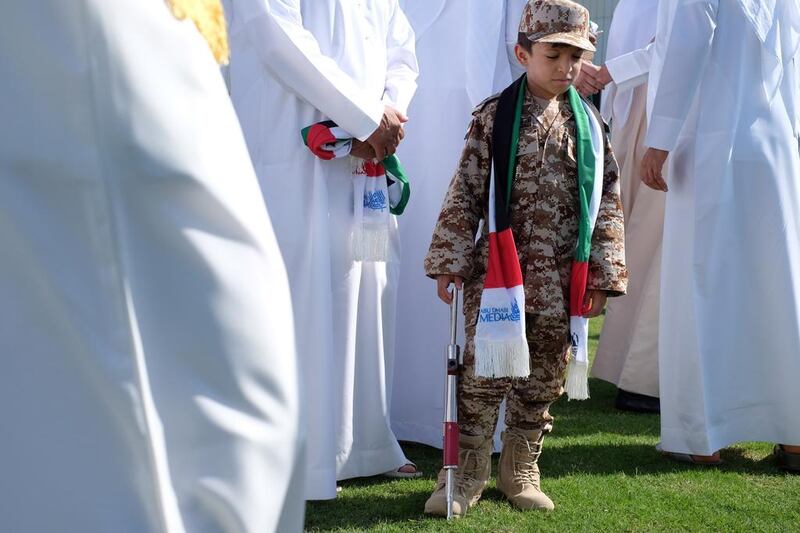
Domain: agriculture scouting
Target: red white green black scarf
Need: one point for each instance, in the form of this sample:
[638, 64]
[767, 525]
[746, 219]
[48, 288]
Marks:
[379, 188]
[501, 347]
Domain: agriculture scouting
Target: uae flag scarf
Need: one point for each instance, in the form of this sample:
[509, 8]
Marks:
[501, 347]
[379, 188]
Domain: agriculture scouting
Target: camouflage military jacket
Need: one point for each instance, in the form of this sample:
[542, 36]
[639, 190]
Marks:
[544, 213]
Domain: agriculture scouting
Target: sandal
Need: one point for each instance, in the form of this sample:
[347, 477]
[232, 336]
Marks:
[399, 474]
[787, 460]
[687, 458]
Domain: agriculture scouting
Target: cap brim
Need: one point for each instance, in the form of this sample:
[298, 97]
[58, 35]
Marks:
[569, 38]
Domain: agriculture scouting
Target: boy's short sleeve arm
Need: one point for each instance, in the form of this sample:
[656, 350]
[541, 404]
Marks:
[453, 242]
[607, 271]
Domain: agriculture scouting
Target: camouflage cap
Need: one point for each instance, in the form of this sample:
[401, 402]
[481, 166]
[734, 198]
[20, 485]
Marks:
[556, 21]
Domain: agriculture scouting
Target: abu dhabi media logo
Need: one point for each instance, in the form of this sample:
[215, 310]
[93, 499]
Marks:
[500, 314]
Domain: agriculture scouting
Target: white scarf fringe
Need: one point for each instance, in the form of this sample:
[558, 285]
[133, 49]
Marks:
[502, 358]
[371, 242]
[577, 384]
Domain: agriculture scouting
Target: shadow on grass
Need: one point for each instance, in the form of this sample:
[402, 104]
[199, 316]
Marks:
[366, 509]
[565, 460]
[598, 415]
[641, 459]
[375, 501]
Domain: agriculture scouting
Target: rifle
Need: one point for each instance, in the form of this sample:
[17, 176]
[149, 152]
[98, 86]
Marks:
[451, 431]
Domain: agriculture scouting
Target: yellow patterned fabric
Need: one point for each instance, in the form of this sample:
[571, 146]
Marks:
[209, 18]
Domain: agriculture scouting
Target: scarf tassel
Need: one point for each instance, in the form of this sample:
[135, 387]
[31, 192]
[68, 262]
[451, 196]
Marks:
[502, 358]
[371, 242]
[577, 384]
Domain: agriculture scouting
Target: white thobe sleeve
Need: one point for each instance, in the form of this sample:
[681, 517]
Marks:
[630, 70]
[401, 62]
[292, 55]
[686, 53]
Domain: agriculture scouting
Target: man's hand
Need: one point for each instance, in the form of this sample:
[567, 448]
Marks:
[652, 167]
[385, 139]
[362, 150]
[604, 76]
[595, 301]
[586, 82]
[443, 283]
[592, 79]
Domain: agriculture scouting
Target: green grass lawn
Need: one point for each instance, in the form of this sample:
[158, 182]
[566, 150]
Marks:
[600, 468]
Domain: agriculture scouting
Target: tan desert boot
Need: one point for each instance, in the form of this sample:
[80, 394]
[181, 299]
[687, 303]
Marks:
[474, 468]
[518, 472]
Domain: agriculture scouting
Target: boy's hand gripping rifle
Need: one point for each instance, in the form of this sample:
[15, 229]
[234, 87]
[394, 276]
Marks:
[451, 407]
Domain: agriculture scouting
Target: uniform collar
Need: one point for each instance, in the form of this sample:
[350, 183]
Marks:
[533, 108]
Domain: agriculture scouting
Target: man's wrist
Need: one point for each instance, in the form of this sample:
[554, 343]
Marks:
[604, 76]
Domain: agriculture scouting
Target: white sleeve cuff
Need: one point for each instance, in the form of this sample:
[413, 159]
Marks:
[663, 132]
[630, 70]
[367, 123]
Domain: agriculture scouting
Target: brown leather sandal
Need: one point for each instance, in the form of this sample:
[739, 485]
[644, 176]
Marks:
[687, 458]
[787, 460]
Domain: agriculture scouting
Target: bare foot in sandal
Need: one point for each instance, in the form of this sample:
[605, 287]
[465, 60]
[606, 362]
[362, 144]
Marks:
[407, 471]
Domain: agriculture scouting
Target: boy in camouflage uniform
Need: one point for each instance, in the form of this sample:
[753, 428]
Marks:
[553, 35]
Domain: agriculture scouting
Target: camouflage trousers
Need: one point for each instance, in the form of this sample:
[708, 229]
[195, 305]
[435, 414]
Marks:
[528, 399]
